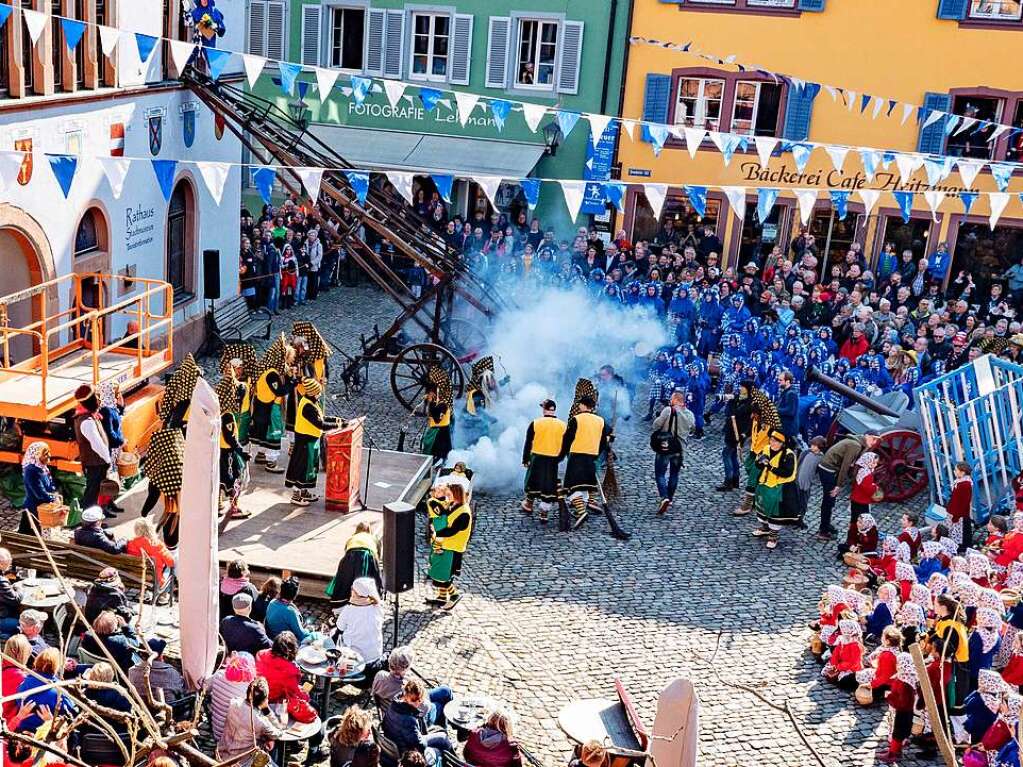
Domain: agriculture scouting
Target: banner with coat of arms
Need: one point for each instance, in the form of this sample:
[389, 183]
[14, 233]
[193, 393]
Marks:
[154, 122]
[188, 116]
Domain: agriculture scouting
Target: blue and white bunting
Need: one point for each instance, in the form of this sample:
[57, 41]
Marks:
[905, 203]
[697, 198]
[311, 179]
[465, 103]
[402, 183]
[614, 193]
[73, 31]
[116, 171]
[573, 192]
[444, 183]
[968, 198]
[531, 191]
[937, 171]
[598, 125]
[998, 202]
[5, 13]
[360, 89]
[35, 22]
[871, 158]
[500, 109]
[566, 121]
[180, 53]
[533, 114]
[214, 174]
[145, 45]
[164, 171]
[869, 198]
[264, 177]
[359, 181]
[806, 198]
[766, 197]
[1001, 173]
[253, 68]
[837, 155]
[489, 185]
[326, 79]
[736, 199]
[840, 201]
[694, 138]
[658, 135]
[430, 97]
[655, 196]
[801, 155]
[218, 61]
[289, 74]
[765, 148]
[63, 167]
[934, 199]
[907, 165]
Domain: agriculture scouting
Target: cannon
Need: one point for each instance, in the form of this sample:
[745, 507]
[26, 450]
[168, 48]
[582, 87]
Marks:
[902, 462]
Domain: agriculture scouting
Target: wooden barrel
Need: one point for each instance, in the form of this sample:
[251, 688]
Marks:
[127, 464]
[52, 514]
[864, 695]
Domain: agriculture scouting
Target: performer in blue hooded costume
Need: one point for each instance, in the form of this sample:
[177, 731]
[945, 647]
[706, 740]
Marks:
[709, 322]
[683, 308]
[206, 21]
[697, 383]
[735, 316]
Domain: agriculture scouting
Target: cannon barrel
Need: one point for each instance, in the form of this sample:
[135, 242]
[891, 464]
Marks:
[816, 376]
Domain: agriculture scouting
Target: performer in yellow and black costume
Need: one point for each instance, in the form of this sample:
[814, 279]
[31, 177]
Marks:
[267, 426]
[451, 523]
[177, 394]
[541, 455]
[479, 398]
[586, 437]
[232, 456]
[304, 464]
[308, 360]
[240, 360]
[775, 496]
[439, 418]
[765, 420]
[164, 467]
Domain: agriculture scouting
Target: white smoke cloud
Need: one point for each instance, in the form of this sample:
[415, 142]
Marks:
[544, 347]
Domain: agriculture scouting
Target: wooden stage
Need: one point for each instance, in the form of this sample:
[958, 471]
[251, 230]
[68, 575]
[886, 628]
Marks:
[307, 540]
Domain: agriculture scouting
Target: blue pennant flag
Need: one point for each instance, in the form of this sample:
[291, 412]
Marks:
[360, 183]
[145, 44]
[921, 112]
[614, 193]
[73, 31]
[217, 60]
[968, 199]
[950, 124]
[743, 143]
[870, 158]
[289, 73]
[1001, 173]
[697, 198]
[658, 135]
[887, 158]
[728, 146]
[810, 90]
[766, 198]
[360, 88]
[864, 100]
[444, 183]
[981, 125]
[430, 97]
[164, 170]
[264, 179]
[566, 121]
[64, 167]
[500, 109]
[892, 103]
[801, 155]
[531, 191]
[840, 200]
[5, 13]
[905, 201]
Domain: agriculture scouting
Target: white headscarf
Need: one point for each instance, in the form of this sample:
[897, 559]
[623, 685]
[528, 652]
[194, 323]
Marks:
[989, 627]
[905, 669]
[866, 463]
[990, 686]
[31, 457]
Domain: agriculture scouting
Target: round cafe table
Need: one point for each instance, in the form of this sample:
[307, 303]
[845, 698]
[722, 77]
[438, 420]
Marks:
[43, 593]
[295, 732]
[342, 665]
[468, 712]
[598, 719]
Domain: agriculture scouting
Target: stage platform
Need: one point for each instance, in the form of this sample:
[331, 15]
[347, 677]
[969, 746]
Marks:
[309, 541]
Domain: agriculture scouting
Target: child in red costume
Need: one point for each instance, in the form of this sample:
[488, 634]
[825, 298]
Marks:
[846, 656]
[960, 506]
[910, 535]
[902, 700]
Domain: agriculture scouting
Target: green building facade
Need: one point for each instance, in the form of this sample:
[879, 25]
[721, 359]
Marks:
[567, 55]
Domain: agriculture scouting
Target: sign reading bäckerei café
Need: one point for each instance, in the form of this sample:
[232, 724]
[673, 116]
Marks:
[836, 179]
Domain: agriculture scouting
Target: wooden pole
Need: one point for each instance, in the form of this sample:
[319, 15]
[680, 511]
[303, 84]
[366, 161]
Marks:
[946, 748]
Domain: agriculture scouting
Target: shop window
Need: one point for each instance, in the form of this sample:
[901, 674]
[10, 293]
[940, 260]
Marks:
[972, 142]
[699, 102]
[537, 53]
[996, 10]
[347, 32]
[678, 222]
[833, 236]
[906, 236]
[986, 253]
[431, 37]
[755, 110]
[759, 238]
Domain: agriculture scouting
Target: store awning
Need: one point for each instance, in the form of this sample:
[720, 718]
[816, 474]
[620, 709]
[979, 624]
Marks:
[458, 155]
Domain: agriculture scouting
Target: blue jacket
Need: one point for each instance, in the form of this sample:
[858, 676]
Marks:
[49, 698]
[284, 616]
[111, 418]
[926, 569]
[938, 263]
[979, 717]
[978, 659]
[406, 726]
[878, 620]
[39, 486]
[788, 411]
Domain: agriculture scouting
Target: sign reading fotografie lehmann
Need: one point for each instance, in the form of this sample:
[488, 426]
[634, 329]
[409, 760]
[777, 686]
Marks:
[138, 227]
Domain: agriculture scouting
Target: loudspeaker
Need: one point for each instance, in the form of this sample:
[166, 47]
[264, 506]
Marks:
[211, 275]
[399, 547]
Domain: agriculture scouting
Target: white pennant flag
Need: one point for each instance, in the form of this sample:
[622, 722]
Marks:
[807, 199]
[851, 95]
[907, 165]
[489, 185]
[870, 198]
[394, 90]
[737, 199]
[878, 103]
[765, 146]
[694, 137]
[837, 155]
[326, 79]
[215, 176]
[718, 139]
[36, 23]
[933, 117]
[108, 38]
[655, 194]
[968, 170]
[402, 182]
[630, 127]
[934, 200]
[966, 123]
[466, 103]
[311, 179]
[534, 114]
[10, 167]
[116, 170]
[998, 202]
[907, 110]
[598, 124]
[573, 191]
[998, 131]
[831, 92]
[253, 67]
[181, 52]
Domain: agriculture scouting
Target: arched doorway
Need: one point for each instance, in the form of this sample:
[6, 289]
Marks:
[181, 241]
[22, 269]
[92, 255]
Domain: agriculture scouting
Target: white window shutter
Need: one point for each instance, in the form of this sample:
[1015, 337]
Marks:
[311, 15]
[375, 41]
[257, 28]
[571, 50]
[395, 45]
[498, 37]
[276, 30]
[461, 49]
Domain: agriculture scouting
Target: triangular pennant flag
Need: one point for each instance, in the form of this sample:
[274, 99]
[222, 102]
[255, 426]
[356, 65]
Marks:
[731, 143]
[64, 167]
[840, 201]
[180, 52]
[831, 92]
[630, 127]
[394, 90]
[430, 97]
[598, 124]
[360, 88]
[73, 31]
[533, 113]
[806, 198]
[907, 110]
[264, 178]
[658, 135]
[718, 140]
[1001, 173]
[907, 165]
[164, 170]
[218, 60]
[698, 199]
[951, 122]
[694, 138]
[870, 158]
[878, 103]
[737, 199]
[851, 99]
[214, 174]
[289, 73]
[145, 45]
[870, 198]
[573, 192]
[357, 179]
[614, 193]
[801, 155]
[934, 200]
[965, 124]
[108, 39]
[968, 170]
[466, 103]
[864, 100]
[402, 182]
[311, 179]
[892, 103]
[253, 68]
[935, 170]
[968, 198]
[932, 117]
[766, 197]
[489, 185]
[500, 109]
[444, 182]
[998, 131]
[566, 121]
[905, 202]
[837, 155]
[998, 202]
[531, 191]
[5, 13]
[36, 23]
[765, 148]
[655, 195]
[326, 79]
[116, 171]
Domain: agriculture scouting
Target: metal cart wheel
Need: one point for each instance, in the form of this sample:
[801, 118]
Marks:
[901, 472]
[410, 372]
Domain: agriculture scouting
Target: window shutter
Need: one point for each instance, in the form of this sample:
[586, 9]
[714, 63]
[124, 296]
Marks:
[932, 138]
[811, 5]
[257, 27]
[395, 28]
[311, 35]
[275, 30]
[571, 56]
[798, 111]
[952, 9]
[656, 99]
[461, 49]
[497, 51]
[375, 41]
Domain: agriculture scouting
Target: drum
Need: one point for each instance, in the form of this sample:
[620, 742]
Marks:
[52, 514]
[864, 695]
[127, 465]
[816, 644]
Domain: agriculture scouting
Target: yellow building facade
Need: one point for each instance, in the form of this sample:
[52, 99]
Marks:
[956, 56]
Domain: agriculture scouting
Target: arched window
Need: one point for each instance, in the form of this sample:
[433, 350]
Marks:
[181, 240]
[90, 230]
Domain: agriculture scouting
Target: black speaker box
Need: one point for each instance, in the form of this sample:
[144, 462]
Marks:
[399, 547]
[211, 275]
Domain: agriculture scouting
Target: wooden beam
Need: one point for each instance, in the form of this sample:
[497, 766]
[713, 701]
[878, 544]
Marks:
[946, 749]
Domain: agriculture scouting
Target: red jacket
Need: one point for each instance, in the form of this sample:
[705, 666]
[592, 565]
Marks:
[885, 672]
[1012, 547]
[863, 492]
[866, 542]
[901, 696]
[847, 657]
[281, 675]
[852, 349]
[883, 566]
[9, 684]
[489, 748]
[1013, 671]
[997, 735]
[961, 500]
[157, 552]
[913, 541]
